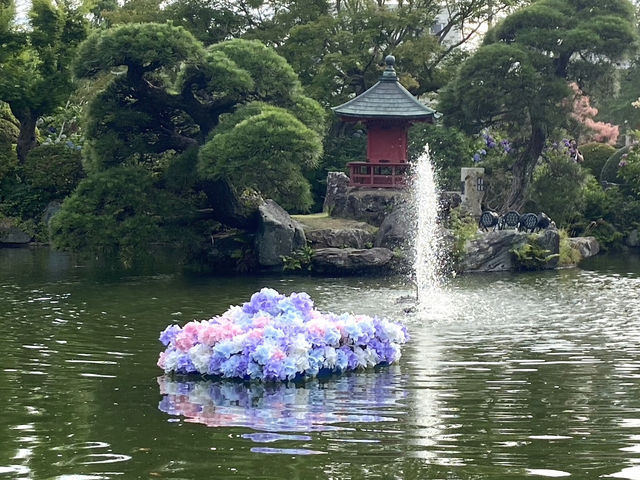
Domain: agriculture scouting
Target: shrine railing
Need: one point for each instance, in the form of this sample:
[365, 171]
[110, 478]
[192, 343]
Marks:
[386, 175]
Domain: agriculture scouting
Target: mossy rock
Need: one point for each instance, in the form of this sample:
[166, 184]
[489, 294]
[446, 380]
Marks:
[610, 170]
[595, 156]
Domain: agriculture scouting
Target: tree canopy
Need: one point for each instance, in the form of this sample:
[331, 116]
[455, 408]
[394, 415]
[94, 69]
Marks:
[518, 79]
[35, 62]
[237, 101]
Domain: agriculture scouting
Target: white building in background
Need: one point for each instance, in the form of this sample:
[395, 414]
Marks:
[455, 35]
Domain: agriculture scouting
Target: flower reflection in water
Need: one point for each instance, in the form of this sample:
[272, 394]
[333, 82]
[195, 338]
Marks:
[275, 408]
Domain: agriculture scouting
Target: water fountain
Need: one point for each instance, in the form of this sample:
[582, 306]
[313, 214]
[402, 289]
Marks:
[428, 245]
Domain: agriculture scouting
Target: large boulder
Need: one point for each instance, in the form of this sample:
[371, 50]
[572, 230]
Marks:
[340, 238]
[490, 252]
[587, 246]
[337, 190]
[351, 261]
[549, 240]
[11, 235]
[237, 210]
[370, 205]
[278, 234]
[493, 251]
[396, 229]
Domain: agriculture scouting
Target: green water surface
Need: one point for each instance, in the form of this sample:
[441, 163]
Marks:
[534, 375]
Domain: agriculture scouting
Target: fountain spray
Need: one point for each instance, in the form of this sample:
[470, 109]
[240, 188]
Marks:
[427, 235]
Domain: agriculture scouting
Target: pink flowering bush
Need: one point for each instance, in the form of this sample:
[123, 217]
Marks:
[278, 337]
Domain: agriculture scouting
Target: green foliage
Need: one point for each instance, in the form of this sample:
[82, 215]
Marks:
[608, 214]
[450, 150]
[465, 228]
[9, 126]
[498, 180]
[618, 107]
[8, 136]
[611, 168]
[36, 63]
[111, 213]
[518, 79]
[8, 160]
[54, 170]
[192, 118]
[19, 200]
[345, 142]
[140, 47]
[629, 169]
[595, 156]
[274, 79]
[298, 260]
[339, 52]
[531, 256]
[267, 152]
[557, 188]
[569, 256]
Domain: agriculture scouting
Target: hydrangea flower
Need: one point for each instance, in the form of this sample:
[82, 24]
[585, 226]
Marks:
[275, 337]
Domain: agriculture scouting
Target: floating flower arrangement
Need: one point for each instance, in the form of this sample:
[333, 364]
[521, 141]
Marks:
[279, 337]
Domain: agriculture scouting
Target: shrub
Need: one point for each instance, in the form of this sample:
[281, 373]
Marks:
[531, 255]
[612, 165]
[450, 150]
[464, 228]
[557, 188]
[568, 255]
[595, 156]
[111, 212]
[267, 152]
[55, 169]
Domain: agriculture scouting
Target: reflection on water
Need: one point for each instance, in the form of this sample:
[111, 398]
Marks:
[274, 408]
[508, 376]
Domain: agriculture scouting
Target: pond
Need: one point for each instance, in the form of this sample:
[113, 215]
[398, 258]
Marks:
[509, 376]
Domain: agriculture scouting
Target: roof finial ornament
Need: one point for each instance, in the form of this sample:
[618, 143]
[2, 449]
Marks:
[389, 73]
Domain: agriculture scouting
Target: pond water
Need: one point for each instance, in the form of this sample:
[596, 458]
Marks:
[508, 376]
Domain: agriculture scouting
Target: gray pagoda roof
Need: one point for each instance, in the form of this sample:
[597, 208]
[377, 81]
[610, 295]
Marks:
[386, 99]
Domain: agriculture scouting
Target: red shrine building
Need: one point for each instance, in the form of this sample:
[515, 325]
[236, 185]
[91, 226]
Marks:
[388, 110]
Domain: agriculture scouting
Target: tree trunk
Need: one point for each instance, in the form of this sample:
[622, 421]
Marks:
[523, 171]
[27, 135]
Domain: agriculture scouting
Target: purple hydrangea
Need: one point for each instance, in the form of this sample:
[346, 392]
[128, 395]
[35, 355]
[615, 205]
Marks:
[169, 334]
[277, 337]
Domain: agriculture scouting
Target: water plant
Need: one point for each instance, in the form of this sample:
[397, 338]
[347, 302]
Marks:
[532, 256]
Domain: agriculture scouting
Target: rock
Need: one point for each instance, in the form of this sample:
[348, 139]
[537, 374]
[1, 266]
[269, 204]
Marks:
[370, 205]
[233, 209]
[340, 238]
[587, 246]
[396, 229]
[490, 252]
[278, 234]
[351, 261]
[337, 190]
[550, 240]
[633, 239]
[12, 235]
